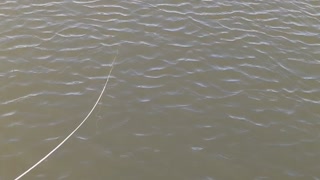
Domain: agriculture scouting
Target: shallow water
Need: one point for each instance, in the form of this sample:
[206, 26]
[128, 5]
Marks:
[210, 90]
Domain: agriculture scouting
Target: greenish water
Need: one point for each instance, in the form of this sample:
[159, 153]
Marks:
[201, 90]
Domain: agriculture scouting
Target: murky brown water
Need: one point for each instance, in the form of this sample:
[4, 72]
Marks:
[201, 90]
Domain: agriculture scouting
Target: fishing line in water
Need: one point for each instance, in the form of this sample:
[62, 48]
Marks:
[94, 106]
[83, 121]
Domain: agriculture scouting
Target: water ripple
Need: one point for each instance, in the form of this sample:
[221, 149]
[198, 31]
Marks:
[237, 81]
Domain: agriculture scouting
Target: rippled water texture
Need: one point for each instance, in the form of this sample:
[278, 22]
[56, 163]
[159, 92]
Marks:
[201, 90]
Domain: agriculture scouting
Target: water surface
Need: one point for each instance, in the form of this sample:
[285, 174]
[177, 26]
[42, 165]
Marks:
[201, 90]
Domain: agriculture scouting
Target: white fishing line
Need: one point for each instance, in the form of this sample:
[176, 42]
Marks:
[83, 121]
[94, 106]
